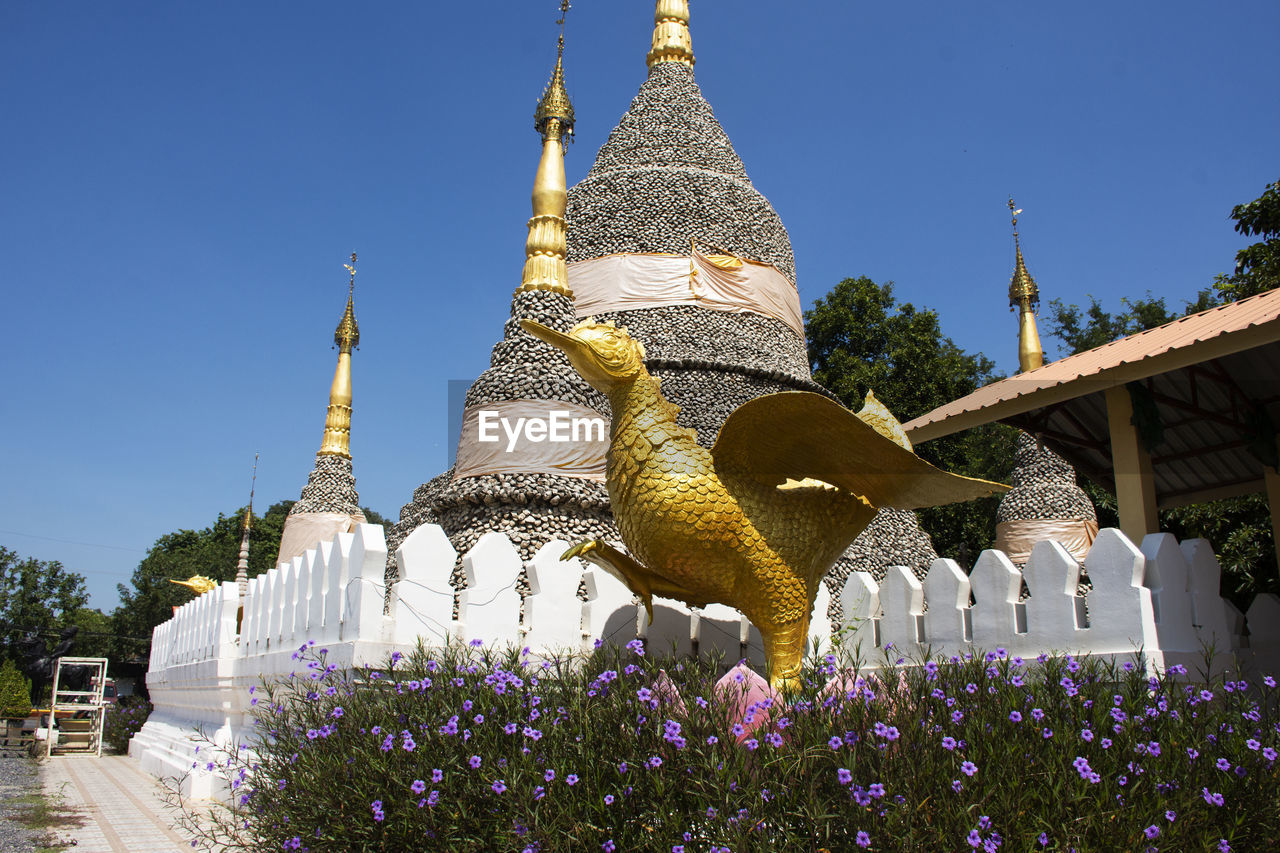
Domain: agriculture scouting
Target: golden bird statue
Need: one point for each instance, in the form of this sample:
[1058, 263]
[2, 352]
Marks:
[199, 584]
[756, 521]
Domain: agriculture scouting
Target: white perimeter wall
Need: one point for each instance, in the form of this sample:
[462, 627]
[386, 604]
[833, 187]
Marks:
[1161, 599]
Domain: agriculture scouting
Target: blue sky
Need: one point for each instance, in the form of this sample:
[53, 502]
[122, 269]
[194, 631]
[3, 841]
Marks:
[182, 183]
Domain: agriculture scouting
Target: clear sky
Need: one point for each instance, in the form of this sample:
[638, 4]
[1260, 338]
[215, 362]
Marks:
[182, 182]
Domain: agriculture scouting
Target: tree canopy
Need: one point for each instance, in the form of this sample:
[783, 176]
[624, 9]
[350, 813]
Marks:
[213, 552]
[862, 339]
[41, 595]
[1257, 265]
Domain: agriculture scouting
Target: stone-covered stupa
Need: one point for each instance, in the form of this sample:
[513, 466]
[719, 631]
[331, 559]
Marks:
[329, 504]
[548, 490]
[668, 237]
[1045, 501]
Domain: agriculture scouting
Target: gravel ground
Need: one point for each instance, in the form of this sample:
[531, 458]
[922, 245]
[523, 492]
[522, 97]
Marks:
[18, 780]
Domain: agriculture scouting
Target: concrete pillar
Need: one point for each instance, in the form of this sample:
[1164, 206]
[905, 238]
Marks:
[1135, 484]
[1273, 500]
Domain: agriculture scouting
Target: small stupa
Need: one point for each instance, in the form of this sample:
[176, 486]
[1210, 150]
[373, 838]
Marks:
[1045, 501]
[329, 503]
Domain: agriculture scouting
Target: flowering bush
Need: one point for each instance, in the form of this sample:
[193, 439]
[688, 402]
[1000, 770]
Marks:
[124, 719]
[470, 750]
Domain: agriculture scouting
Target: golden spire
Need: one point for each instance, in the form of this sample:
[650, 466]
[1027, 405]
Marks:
[671, 39]
[546, 246]
[337, 423]
[1024, 296]
[242, 567]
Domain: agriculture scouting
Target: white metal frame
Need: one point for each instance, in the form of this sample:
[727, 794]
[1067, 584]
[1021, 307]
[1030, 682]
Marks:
[76, 701]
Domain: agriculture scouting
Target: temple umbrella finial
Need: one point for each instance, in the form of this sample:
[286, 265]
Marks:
[1024, 296]
[672, 41]
[546, 247]
[337, 423]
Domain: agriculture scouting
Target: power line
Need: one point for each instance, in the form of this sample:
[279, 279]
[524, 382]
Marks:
[73, 542]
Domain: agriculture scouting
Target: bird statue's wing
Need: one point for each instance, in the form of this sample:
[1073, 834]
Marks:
[797, 435]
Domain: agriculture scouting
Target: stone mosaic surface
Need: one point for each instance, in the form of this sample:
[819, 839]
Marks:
[1044, 487]
[331, 487]
[668, 173]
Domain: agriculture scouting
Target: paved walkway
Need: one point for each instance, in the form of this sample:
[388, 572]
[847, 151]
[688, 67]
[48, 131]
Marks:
[120, 806]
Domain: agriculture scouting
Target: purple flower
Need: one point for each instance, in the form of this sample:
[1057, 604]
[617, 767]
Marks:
[549, 776]
[968, 768]
[835, 742]
[876, 790]
[1171, 816]
[608, 799]
[1223, 846]
[499, 786]
[571, 779]
[608, 846]
[1086, 735]
[1015, 716]
[1223, 764]
[1212, 798]
[474, 761]
[957, 785]
[437, 775]
[1043, 839]
[337, 712]
[975, 839]
[948, 742]
[655, 762]
[1152, 832]
[418, 786]
[862, 839]
[844, 775]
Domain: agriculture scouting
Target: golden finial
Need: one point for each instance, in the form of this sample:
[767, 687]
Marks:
[1024, 296]
[347, 336]
[554, 116]
[337, 423]
[671, 39]
[546, 247]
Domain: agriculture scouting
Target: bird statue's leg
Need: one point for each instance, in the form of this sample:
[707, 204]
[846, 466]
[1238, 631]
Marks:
[784, 650]
[618, 564]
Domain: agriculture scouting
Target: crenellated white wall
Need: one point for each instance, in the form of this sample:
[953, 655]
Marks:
[1161, 599]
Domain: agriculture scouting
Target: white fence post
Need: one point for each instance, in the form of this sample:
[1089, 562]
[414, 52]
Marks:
[552, 609]
[422, 599]
[489, 608]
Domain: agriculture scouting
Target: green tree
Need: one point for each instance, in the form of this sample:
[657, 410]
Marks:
[1257, 265]
[15, 692]
[862, 339]
[37, 595]
[213, 552]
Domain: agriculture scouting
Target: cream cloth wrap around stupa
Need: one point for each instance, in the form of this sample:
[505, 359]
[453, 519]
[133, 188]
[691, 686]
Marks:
[584, 459]
[718, 282]
[1017, 538]
[306, 529]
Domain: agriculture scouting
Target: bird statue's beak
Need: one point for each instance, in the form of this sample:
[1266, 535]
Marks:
[559, 340]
